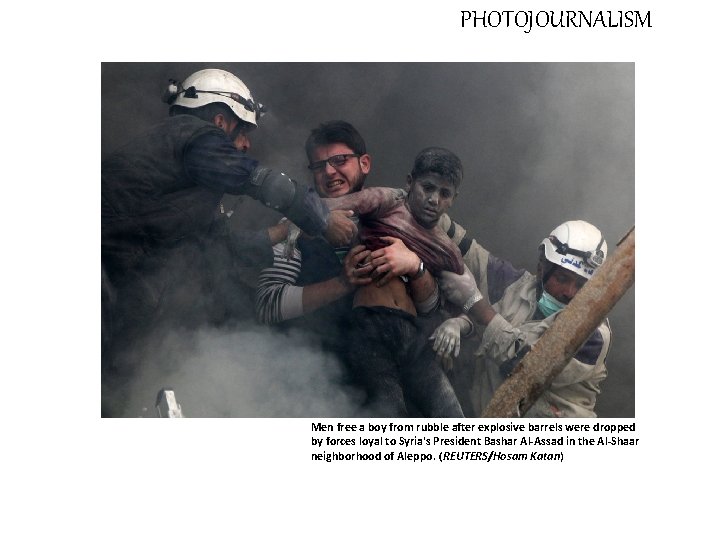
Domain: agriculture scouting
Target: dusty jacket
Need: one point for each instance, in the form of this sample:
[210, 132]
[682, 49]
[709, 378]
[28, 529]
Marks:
[151, 202]
[513, 294]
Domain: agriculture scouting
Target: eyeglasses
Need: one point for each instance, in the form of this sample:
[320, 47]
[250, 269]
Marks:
[335, 161]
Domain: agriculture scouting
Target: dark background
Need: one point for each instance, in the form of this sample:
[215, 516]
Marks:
[541, 143]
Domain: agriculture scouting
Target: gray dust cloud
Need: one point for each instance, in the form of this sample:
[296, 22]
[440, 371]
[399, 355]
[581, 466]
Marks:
[541, 143]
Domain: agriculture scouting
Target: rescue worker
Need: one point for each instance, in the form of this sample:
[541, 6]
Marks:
[161, 195]
[516, 307]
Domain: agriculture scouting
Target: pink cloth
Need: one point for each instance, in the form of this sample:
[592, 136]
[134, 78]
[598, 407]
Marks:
[383, 212]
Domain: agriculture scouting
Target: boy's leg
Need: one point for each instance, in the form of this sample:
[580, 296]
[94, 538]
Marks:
[372, 361]
[425, 381]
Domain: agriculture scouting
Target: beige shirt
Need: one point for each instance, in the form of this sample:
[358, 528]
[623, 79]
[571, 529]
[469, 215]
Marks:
[574, 391]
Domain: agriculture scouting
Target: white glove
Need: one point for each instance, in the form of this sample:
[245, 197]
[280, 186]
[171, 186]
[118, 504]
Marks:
[293, 234]
[447, 340]
[460, 290]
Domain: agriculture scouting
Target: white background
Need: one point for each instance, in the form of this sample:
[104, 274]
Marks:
[68, 473]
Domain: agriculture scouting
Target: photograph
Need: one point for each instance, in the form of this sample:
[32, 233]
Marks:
[366, 270]
[357, 239]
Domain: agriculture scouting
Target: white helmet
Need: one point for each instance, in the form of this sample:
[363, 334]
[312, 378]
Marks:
[577, 246]
[215, 86]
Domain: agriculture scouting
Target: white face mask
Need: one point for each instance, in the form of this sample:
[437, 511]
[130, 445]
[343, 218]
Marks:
[548, 304]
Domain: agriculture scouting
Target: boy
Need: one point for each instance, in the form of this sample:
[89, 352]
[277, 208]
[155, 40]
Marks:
[385, 336]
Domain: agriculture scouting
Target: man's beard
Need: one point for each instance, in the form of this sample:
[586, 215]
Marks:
[359, 184]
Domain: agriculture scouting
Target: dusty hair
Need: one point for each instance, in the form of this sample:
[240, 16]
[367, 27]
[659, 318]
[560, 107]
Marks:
[440, 161]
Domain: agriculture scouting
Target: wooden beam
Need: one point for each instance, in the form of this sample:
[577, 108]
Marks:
[572, 327]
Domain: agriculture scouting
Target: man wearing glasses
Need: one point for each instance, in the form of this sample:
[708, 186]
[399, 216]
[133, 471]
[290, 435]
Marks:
[312, 280]
[311, 285]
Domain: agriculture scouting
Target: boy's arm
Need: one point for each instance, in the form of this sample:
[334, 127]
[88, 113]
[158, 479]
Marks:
[424, 291]
[371, 201]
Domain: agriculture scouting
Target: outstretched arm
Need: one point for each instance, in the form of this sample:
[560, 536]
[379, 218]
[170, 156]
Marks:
[211, 160]
[462, 291]
[372, 201]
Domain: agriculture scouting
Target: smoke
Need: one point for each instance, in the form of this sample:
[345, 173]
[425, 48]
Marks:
[541, 143]
[250, 372]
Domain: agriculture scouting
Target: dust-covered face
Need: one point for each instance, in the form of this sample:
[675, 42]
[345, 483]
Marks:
[563, 284]
[341, 178]
[237, 131]
[429, 197]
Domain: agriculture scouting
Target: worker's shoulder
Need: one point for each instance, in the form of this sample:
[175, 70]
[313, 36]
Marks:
[596, 346]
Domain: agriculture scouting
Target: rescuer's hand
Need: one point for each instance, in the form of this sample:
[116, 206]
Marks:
[341, 229]
[461, 290]
[356, 271]
[393, 260]
[447, 340]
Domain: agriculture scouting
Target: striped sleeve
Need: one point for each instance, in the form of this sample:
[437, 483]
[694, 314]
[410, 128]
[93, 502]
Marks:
[277, 298]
